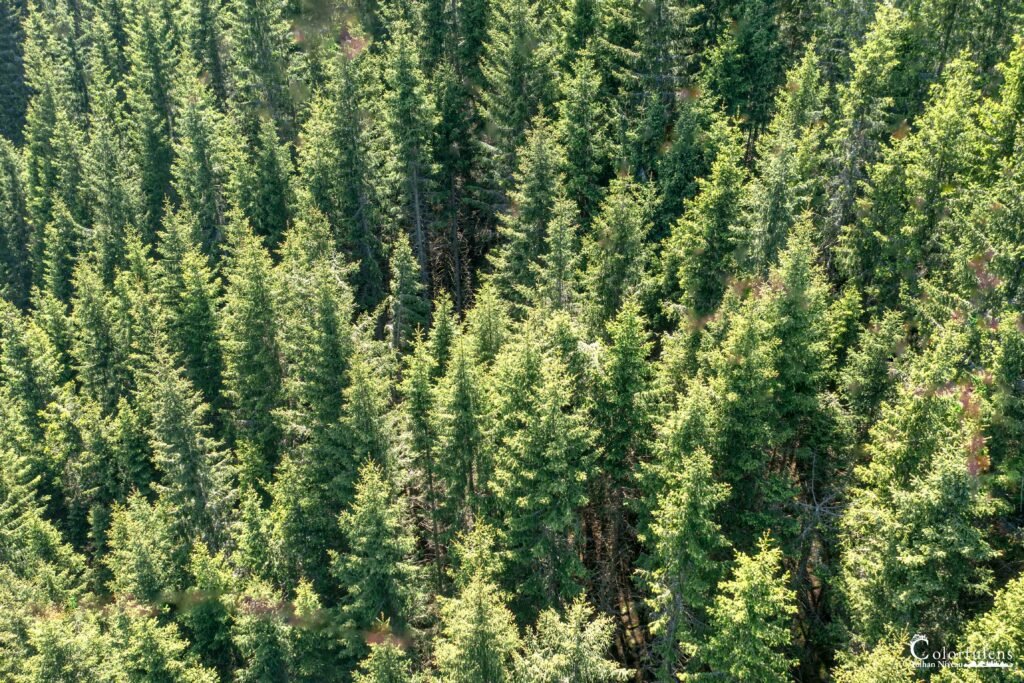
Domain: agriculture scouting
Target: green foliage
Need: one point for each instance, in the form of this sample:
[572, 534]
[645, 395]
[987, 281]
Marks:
[491, 340]
[572, 649]
[380, 581]
[750, 620]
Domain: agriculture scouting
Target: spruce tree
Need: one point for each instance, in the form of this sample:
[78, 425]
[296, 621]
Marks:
[259, 43]
[249, 337]
[408, 307]
[16, 274]
[686, 547]
[517, 68]
[409, 119]
[523, 229]
[750, 620]
[196, 480]
[379, 579]
[478, 635]
[617, 254]
[336, 168]
[572, 648]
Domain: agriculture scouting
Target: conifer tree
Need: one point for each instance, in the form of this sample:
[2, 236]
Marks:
[617, 254]
[750, 620]
[541, 452]
[199, 170]
[189, 296]
[386, 663]
[686, 547]
[463, 462]
[364, 415]
[143, 553]
[196, 482]
[202, 28]
[261, 634]
[409, 119]
[478, 635]
[917, 487]
[408, 307]
[12, 70]
[573, 648]
[374, 569]
[516, 66]
[16, 273]
[582, 131]
[523, 230]
[249, 337]
[109, 174]
[336, 169]
[149, 97]
[150, 650]
[259, 42]
[697, 256]
[791, 159]
[745, 65]
[556, 271]
[208, 618]
[314, 479]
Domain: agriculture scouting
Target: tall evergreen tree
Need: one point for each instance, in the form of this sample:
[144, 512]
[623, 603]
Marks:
[249, 337]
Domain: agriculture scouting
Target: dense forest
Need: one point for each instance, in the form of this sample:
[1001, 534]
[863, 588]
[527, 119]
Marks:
[483, 341]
